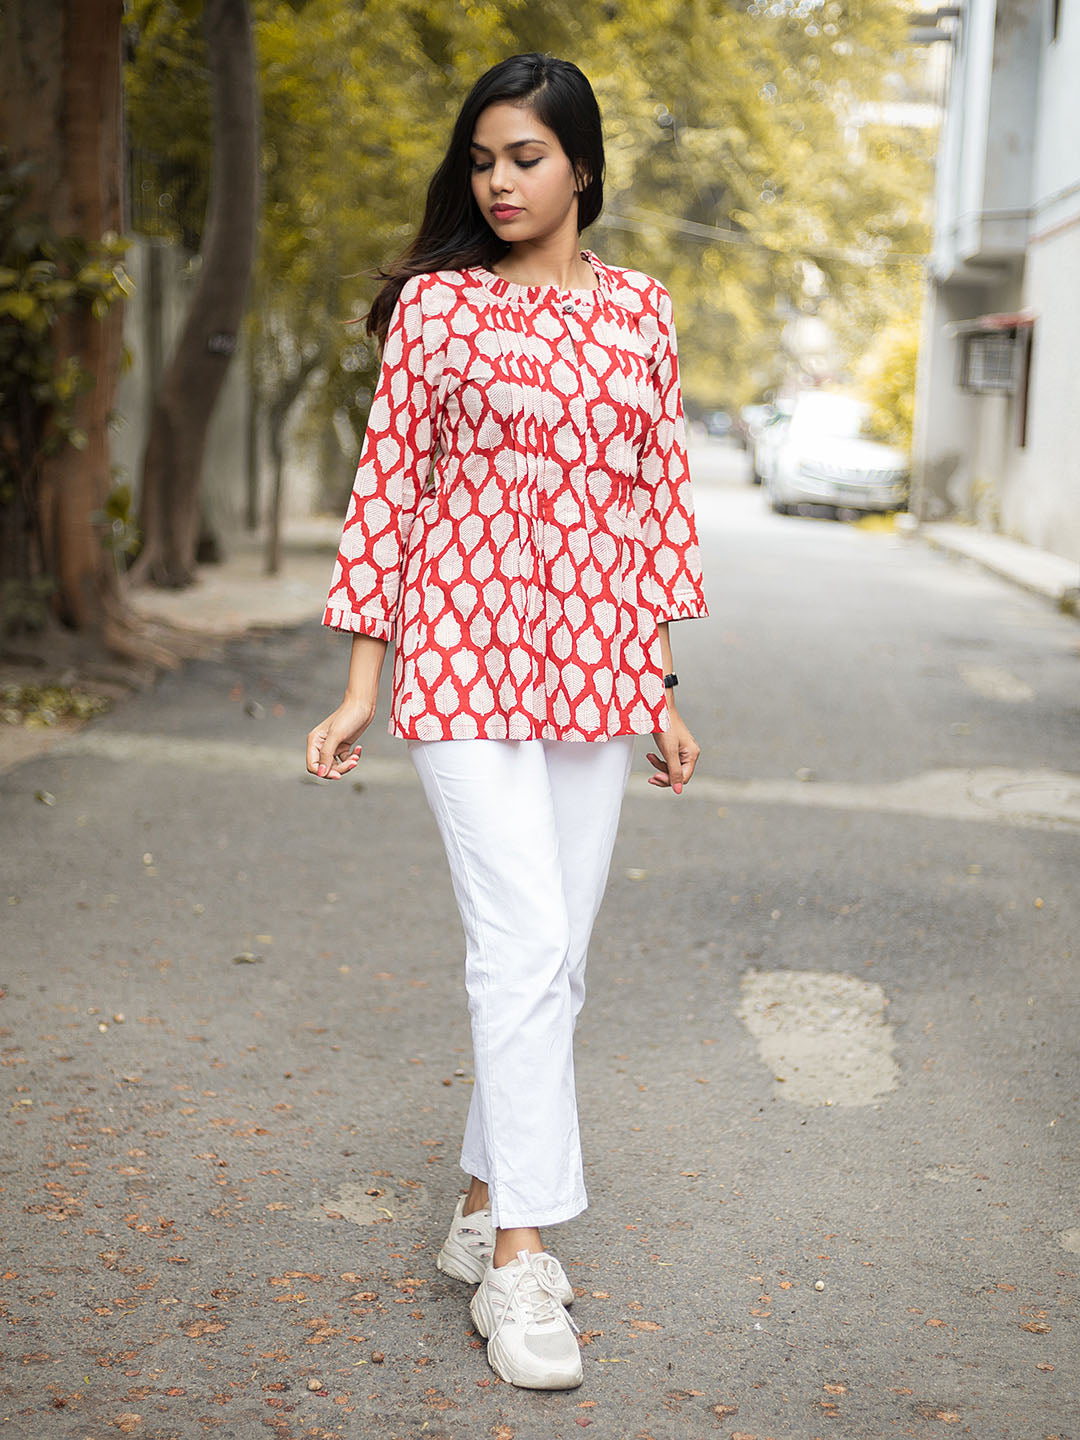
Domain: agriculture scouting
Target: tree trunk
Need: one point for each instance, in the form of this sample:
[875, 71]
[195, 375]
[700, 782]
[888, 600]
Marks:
[277, 417]
[61, 108]
[277, 496]
[172, 466]
[251, 444]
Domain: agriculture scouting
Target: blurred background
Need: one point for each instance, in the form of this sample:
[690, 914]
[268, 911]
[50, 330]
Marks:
[833, 1012]
[177, 270]
[864, 198]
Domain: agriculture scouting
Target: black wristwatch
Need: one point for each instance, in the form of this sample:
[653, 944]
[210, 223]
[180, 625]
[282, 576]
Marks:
[670, 681]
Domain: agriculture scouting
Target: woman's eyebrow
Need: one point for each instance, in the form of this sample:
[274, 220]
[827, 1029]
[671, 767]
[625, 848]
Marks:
[514, 145]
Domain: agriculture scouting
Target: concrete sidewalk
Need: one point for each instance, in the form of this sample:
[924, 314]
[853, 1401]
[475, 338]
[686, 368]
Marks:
[227, 601]
[237, 595]
[1052, 576]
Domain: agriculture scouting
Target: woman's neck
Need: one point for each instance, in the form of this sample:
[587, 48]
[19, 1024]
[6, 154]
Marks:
[526, 264]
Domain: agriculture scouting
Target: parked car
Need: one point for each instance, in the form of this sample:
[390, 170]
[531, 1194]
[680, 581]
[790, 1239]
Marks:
[822, 456]
[754, 418]
[718, 424]
[770, 433]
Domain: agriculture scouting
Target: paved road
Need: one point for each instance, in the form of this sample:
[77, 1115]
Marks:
[828, 1066]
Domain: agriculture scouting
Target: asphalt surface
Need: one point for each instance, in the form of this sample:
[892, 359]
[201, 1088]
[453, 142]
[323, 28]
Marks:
[828, 1067]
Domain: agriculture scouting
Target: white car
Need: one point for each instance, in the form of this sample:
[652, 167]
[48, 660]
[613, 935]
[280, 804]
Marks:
[770, 433]
[822, 457]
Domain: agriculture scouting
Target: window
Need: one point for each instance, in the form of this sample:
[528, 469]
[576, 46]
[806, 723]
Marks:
[987, 363]
[994, 358]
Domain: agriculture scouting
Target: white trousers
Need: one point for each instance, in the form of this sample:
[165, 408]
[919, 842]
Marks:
[528, 827]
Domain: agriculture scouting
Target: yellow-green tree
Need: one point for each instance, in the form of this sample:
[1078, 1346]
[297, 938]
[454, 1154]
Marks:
[740, 158]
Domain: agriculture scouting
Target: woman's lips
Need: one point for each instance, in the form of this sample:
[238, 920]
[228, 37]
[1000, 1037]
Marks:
[505, 212]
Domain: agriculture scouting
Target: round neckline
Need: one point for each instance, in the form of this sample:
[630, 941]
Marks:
[513, 290]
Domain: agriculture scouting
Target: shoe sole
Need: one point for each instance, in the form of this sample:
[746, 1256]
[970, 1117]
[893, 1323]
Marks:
[458, 1267]
[500, 1362]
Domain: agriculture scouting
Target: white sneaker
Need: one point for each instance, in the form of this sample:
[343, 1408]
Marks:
[531, 1339]
[467, 1250]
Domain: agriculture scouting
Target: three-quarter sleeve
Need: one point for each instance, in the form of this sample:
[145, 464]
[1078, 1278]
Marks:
[671, 578]
[395, 459]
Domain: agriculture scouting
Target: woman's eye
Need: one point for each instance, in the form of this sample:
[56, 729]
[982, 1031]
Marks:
[525, 164]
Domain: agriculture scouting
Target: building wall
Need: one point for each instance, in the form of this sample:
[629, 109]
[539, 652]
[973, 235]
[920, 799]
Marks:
[1040, 487]
[1040, 490]
[1007, 237]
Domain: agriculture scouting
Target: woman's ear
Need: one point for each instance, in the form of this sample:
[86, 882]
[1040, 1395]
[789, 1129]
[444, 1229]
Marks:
[581, 177]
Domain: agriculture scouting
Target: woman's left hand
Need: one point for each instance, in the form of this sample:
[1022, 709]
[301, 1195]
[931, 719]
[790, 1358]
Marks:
[679, 753]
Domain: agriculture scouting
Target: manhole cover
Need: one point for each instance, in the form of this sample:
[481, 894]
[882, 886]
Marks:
[1043, 797]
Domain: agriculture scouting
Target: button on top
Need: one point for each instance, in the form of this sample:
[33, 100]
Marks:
[567, 307]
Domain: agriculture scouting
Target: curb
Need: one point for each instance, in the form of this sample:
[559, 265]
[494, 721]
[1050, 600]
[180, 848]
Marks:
[1051, 577]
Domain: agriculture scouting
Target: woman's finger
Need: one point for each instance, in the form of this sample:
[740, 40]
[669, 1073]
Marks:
[330, 757]
[347, 763]
[663, 775]
[675, 767]
[314, 747]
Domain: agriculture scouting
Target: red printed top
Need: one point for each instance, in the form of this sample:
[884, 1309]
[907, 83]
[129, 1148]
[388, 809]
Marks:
[521, 517]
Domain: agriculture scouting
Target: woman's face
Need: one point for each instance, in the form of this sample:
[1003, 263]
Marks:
[521, 176]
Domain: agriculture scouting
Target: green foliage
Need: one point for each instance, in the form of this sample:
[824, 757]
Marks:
[752, 164]
[122, 534]
[37, 706]
[44, 279]
[888, 379]
[24, 604]
[167, 96]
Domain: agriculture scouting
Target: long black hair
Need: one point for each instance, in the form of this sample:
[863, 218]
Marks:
[454, 233]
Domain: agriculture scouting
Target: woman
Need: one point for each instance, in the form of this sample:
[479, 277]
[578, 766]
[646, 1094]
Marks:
[521, 525]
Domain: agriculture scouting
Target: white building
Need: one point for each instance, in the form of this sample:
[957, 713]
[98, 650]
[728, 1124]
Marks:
[998, 394]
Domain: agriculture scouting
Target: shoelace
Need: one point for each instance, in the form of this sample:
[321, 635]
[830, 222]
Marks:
[541, 1295]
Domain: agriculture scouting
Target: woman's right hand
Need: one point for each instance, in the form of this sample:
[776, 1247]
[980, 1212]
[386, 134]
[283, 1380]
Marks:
[332, 751]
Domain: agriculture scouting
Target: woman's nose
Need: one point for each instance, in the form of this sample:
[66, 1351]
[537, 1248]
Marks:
[500, 178]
